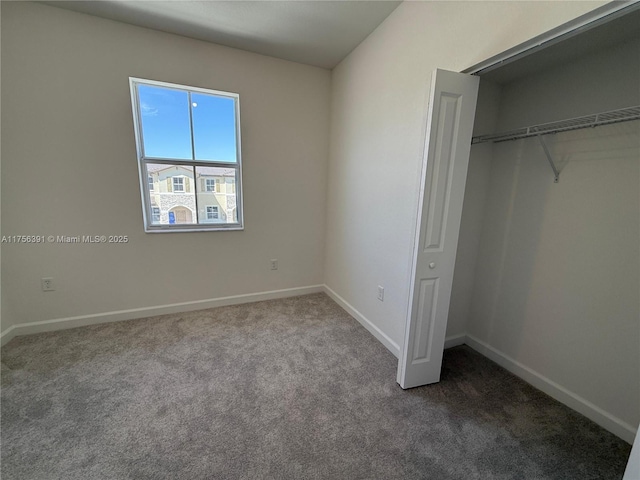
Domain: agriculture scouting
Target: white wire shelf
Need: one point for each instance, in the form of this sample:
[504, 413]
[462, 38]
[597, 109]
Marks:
[589, 121]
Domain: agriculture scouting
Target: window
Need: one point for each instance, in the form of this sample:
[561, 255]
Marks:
[185, 137]
[178, 184]
[212, 212]
[155, 214]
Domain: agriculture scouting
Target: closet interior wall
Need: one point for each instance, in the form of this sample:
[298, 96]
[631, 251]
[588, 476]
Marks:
[556, 282]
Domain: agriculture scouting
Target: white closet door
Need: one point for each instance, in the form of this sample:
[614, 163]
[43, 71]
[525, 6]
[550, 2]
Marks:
[632, 472]
[449, 129]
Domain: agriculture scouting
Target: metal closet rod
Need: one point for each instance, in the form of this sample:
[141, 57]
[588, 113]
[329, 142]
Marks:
[589, 121]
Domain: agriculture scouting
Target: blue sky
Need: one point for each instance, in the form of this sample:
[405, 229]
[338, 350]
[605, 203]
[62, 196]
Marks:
[167, 132]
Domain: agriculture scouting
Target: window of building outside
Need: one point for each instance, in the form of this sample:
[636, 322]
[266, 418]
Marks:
[178, 184]
[188, 143]
[212, 212]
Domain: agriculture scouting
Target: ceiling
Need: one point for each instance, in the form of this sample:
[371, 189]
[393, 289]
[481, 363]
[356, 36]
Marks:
[624, 27]
[319, 33]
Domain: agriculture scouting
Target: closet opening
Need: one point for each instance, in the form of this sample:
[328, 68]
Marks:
[550, 226]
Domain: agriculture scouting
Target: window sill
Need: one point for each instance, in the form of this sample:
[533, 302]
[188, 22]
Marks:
[194, 228]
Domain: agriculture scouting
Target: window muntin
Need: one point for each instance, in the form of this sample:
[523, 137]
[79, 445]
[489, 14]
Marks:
[208, 165]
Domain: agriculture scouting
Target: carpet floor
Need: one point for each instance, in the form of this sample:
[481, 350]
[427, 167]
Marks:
[282, 389]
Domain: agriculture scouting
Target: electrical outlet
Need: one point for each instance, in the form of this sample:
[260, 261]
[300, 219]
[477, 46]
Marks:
[274, 263]
[47, 284]
[381, 293]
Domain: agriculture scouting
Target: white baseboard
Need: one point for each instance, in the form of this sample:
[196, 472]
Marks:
[365, 322]
[604, 419]
[454, 340]
[7, 335]
[97, 318]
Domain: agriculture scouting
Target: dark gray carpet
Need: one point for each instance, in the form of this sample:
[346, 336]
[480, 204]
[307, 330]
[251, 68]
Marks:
[284, 389]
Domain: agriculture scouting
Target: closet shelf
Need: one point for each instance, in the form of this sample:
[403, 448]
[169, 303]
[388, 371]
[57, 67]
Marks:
[589, 121]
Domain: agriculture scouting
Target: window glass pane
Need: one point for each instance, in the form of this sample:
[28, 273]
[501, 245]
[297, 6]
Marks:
[173, 195]
[214, 127]
[217, 200]
[166, 129]
[188, 127]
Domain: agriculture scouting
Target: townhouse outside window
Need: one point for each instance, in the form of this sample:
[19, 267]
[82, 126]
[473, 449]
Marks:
[188, 145]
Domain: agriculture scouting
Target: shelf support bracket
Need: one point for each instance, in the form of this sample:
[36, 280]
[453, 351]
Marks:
[556, 173]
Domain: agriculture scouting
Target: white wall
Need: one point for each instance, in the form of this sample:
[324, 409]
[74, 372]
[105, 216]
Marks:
[557, 277]
[69, 168]
[378, 111]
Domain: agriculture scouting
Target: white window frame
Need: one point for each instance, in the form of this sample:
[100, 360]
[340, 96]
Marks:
[216, 211]
[150, 183]
[143, 161]
[209, 187]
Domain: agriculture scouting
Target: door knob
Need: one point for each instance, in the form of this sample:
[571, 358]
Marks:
[432, 265]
